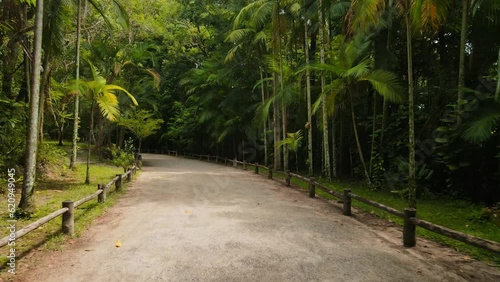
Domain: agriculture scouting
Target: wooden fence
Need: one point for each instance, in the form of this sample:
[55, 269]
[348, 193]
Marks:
[410, 221]
[68, 208]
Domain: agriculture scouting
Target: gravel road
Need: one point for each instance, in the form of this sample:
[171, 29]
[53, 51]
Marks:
[186, 220]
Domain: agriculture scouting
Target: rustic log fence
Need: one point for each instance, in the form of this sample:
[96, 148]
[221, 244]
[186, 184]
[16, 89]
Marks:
[409, 216]
[68, 208]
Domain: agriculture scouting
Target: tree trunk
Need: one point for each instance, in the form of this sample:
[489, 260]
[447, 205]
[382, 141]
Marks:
[358, 144]
[77, 96]
[61, 134]
[276, 128]
[263, 92]
[461, 70]
[412, 185]
[44, 88]
[334, 151]
[374, 126]
[497, 91]
[27, 203]
[309, 126]
[297, 160]
[326, 146]
[282, 86]
[89, 143]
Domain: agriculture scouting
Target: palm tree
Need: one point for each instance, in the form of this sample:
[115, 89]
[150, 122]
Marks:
[256, 15]
[293, 141]
[123, 18]
[322, 44]
[417, 14]
[77, 96]
[97, 91]
[27, 203]
[350, 70]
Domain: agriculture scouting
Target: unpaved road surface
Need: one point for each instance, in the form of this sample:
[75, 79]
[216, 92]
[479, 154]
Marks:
[186, 220]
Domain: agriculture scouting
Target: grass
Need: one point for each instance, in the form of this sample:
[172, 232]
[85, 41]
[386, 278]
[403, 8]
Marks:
[61, 184]
[459, 215]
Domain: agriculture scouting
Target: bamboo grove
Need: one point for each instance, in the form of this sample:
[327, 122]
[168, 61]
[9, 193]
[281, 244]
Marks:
[399, 94]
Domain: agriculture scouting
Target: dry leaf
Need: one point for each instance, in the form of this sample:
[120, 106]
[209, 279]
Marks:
[187, 211]
[118, 244]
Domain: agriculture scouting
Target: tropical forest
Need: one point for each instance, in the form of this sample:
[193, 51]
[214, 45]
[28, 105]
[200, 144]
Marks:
[397, 101]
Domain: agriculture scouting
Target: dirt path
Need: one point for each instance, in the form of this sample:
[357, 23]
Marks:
[185, 220]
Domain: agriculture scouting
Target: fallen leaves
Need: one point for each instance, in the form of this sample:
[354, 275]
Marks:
[118, 244]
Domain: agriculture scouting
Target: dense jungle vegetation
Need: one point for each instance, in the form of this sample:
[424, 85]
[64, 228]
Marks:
[401, 94]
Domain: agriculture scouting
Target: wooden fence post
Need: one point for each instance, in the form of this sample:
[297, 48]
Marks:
[176, 153]
[200, 157]
[244, 165]
[256, 168]
[312, 188]
[118, 183]
[287, 178]
[216, 159]
[409, 229]
[68, 218]
[208, 158]
[129, 175]
[347, 202]
[235, 164]
[225, 161]
[101, 198]
[270, 172]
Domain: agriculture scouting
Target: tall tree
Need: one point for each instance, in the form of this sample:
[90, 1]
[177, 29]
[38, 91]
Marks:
[97, 91]
[76, 118]
[322, 44]
[27, 203]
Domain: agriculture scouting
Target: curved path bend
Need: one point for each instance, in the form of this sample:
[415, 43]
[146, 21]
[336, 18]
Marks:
[186, 220]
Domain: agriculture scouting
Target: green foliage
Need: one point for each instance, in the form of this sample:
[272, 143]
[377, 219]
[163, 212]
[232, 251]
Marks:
[141, 123]
[293, 141]
[125, 157]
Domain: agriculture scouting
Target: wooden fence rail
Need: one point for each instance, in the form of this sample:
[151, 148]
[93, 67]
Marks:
[409, 215]
[67, 211]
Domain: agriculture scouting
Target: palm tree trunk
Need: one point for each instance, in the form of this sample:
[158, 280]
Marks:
[89, 143]
[27, 203]
[276, 128]
[308, 95]
[264, 136]
[334, 151]
[412, 185]
[44, 87]
[77, 96]
[358, 144]
[326, 146]
[282, 86]
[461, 70]
[297, 160]
[497, 91]
[374, 126]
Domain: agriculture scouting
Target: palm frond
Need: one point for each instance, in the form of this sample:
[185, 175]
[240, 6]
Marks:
[156, 77]
[366, 13]
[359, 70]
[428, 13]
[239, 34]
[386, 84]
[482, 128]
[111, 87]
[121, 14]
[108, 104]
